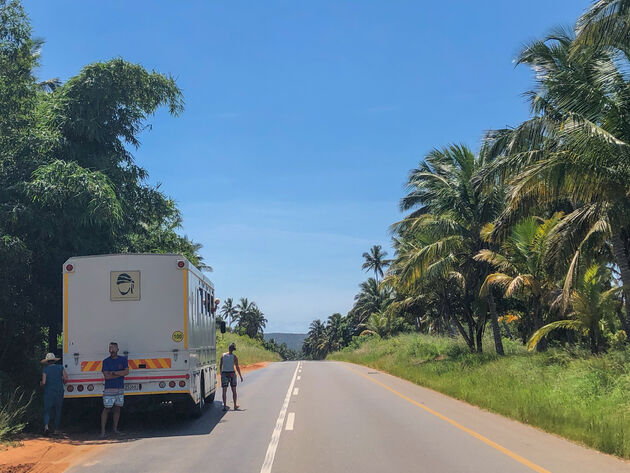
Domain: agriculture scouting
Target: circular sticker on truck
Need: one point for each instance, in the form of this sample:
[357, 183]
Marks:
[178, 336]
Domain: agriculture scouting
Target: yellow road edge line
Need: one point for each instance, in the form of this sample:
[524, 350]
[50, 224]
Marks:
[65, 313]
[185, 271]
[487, 441]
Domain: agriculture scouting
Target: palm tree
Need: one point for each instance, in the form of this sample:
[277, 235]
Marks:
[592, 301]
[442, 233]
[315, 342]
[249, 318]
[229, 311]
[255, 323]
[375, 261]
[523, 267]
[574, 151]
[334, 332]
[370, 299]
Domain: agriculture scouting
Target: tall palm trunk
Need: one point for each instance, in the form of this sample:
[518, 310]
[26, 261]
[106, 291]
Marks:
[538, 321]
[621, 258]
[496, 330]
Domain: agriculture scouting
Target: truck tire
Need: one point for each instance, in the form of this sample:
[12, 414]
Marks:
[210, 399]
[197, 409]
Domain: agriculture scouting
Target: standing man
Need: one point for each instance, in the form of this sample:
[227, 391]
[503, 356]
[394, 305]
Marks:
[229, 361]
[53, 379]
[115, 368]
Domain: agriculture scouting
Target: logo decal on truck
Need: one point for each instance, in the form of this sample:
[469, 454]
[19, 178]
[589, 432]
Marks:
[178, 336]
[125, 285]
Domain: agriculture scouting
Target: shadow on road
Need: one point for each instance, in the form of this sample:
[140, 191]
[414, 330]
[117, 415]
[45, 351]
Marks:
[82, 424]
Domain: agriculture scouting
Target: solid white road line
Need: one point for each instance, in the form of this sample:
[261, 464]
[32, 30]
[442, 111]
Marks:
[296, 391]
[290, 421]
[275, 436]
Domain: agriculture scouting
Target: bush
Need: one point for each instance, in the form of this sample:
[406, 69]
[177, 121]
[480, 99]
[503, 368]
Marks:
[13, 413]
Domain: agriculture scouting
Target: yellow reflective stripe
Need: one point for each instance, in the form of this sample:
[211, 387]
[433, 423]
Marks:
[185, 271]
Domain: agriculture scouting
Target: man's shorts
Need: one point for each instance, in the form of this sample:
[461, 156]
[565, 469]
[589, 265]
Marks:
[114, 398]
[228, 378]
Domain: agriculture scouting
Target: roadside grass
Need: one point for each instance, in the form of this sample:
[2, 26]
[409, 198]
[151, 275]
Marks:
[248, 350]
[571, 393]
[14, 408]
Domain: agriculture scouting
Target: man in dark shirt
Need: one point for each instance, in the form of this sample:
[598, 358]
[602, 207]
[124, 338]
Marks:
[115, 368]
[53, 379]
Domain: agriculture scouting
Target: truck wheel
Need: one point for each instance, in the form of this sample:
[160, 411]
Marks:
[197, 409]
[210, 399]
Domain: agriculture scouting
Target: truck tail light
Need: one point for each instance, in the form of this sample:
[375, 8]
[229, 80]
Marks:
[70, 388]
[90, 387]
[182, 384]
[80, 388]
[187, 375]
[180, 264]
[69, 268]
[162, 384]
[171, 384]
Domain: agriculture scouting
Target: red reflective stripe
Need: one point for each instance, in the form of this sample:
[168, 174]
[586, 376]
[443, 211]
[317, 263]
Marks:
[127, 378]
[155, 377]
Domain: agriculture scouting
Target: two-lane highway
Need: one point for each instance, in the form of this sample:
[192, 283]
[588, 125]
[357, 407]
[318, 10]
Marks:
[337, 417]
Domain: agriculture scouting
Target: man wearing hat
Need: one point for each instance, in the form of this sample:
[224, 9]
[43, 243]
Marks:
[229, 361]
[53, 379]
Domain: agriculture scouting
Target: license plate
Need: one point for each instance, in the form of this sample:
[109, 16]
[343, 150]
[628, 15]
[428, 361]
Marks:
[132, 387]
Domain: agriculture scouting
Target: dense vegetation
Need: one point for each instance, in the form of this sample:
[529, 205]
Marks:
[565, 391]
[529, 237]
[69, 184]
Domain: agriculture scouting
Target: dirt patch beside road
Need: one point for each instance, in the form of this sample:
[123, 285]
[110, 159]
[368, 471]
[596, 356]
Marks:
[44, 455]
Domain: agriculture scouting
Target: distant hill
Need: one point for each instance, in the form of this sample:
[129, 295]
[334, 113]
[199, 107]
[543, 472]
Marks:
[293, 340]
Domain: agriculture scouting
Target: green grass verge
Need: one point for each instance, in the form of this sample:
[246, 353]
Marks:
[248, 350]
[570, 393]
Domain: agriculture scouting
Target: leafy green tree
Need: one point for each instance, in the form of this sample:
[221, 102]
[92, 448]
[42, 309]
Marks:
[68, 182]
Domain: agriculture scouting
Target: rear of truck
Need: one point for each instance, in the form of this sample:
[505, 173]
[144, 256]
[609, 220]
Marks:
[139, 302]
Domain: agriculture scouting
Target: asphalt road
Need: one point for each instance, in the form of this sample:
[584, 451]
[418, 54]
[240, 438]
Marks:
[337, 417]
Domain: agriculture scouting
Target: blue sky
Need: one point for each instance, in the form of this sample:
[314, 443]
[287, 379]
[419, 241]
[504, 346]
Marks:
[303, 119]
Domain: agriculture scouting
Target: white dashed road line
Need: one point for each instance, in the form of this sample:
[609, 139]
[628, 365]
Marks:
[290, 421]
[275, 436]
[296, 391]
[299, 377]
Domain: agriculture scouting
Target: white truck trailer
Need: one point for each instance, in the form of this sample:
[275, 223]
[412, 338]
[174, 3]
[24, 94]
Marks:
[161, 311]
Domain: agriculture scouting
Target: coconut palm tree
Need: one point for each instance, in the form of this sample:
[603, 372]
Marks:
[442, 232]
[229, 311]
[593, 301]
[575, 150]
[315, 342]
[334, 336]
[370, 299]
[375, 261]
[523, 267]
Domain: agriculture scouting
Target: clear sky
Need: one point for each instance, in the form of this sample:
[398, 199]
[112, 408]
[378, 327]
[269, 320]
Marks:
[303, 119]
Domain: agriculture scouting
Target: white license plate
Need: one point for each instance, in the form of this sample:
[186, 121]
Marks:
[132, 387]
